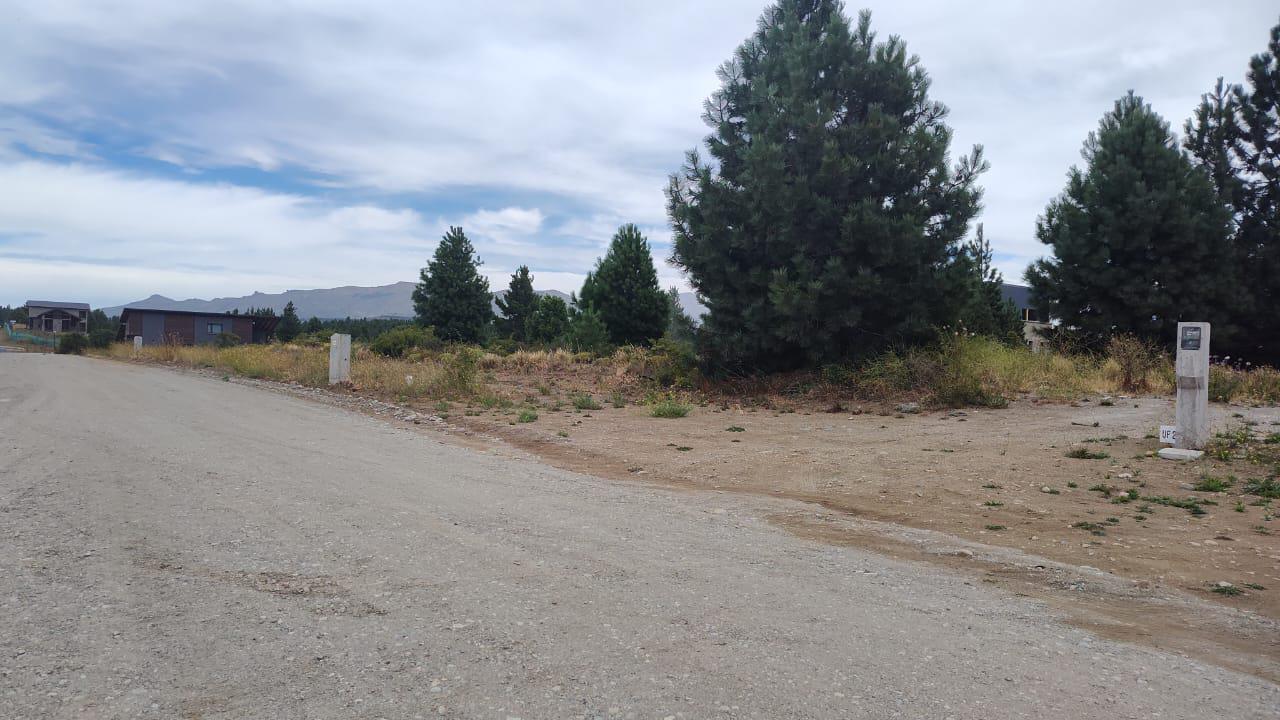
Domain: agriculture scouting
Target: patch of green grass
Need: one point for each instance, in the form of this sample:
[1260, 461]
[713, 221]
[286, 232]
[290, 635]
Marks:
[1268, 488]
[527, 415]
[1113, 520]
[735, 428]
[1086, 454]
[1228, 590]
[669, 407]
[442, 406]
[991, 486]
[1253, 586]
[1192, 505]
[1102, 488]
[1093, 528]
[993, 503]
[1073, 484]
[683, 448]
[1126, 497]
[996, 528]
[586, 402]
[617, 399]
[1213, 484]
[562, 433]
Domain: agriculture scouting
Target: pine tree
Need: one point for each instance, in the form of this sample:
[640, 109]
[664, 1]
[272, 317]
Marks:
[1258, 154]
[985, 310]
[314, 325]
[623, 290]
[452, 296]
[588, 333]
[519, 303]
[549, 321]
[827, 224]
[680, 327]
[1137, 236]
[289, 326]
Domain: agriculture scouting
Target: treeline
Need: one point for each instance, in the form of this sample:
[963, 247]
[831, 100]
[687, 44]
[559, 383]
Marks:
[825, 223]
[1152, 231]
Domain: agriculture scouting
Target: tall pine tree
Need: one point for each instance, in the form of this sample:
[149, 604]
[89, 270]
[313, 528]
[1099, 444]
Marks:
[623, 290]
[452, 296]
[519, 303]
[290, 325]
[828, 223]
[1138, 236]
[1258, 154]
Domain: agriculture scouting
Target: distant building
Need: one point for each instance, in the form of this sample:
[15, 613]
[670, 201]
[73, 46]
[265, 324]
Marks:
[1034, 323]
[57, 317]
[184, 327]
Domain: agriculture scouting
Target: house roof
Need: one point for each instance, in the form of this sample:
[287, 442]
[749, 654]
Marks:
[1019, 294]
[266, 322]
[58, 304]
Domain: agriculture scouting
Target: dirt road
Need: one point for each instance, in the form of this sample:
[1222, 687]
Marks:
[178, 546]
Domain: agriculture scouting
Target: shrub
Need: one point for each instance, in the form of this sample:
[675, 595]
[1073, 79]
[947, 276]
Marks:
[72, 344]
[588, 334]
[226, 340]
[669, 407]
[1135, 358]
[101, 337]
[527, 415]
[1263, 385]
[586, 402]
[459, 372]
[398, 341]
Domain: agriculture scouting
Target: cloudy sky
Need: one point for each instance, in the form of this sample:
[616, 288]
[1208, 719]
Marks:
[201, 149]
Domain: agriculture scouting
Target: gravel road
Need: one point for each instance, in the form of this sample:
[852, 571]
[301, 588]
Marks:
[176, 546]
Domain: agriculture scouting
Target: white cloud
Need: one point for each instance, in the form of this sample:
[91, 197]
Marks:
[588, 105]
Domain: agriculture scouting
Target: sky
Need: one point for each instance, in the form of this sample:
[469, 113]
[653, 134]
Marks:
[213, 149]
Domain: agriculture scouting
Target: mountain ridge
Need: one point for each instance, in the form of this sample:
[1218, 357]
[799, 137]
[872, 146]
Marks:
[354, 301]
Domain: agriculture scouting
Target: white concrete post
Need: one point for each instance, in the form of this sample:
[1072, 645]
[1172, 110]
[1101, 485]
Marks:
[339, 358]
[137, 343]
[1192, 371]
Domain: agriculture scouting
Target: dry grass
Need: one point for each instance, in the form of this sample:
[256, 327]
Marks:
[962, 371]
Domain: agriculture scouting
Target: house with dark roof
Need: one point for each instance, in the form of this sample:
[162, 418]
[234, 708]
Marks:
[53, 316]
[1034, 322]
[186, 327]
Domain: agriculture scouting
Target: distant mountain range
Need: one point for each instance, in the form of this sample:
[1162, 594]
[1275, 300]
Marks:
[384, 301]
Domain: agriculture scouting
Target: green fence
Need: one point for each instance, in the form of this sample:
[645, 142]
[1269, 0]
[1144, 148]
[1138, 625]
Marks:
[26, 337]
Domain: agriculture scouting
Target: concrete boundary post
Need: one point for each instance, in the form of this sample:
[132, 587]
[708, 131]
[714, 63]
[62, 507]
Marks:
[339, 358]
[1192, 370]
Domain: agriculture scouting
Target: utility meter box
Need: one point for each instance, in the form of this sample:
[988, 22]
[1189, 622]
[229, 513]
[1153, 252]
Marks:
[1192, 371]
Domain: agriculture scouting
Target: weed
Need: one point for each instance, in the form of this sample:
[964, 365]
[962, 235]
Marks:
[1102, 488]
[991, 486]
[1228, 590]
[996, 528]
[1191, 505]
[735, 428]
[1093, 528]
[562, 433]
[1073, 484]
[993, 503]
[1127, 496]
[1268, 488]
[669, 407]
[617, 399]
[527, 415]
[1253, 586]
[1085, 454]
[1213, 484]
[683, 448]
[442, 406]
[586, 402]
[1239, 507]
[1107, 403]
[1113, 520]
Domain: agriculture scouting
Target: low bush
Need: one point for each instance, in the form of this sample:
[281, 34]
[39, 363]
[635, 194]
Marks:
[586, 402]
[226, 340]
[101, 338]
[72, 344]
[1135, 358]
[669, 407]
[397, 342]
[1225, 383]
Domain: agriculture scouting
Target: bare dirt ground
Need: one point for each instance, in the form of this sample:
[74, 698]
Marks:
[977, 475]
